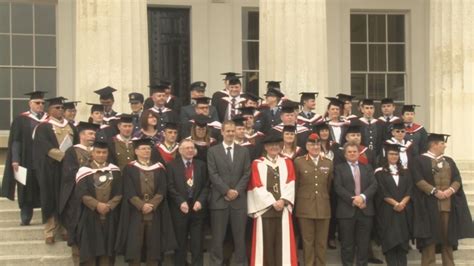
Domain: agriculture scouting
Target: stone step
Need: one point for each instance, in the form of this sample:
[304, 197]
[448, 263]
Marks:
[18, 233]
[14, 213]
[33, 247]
[42, 260]
[16, 222]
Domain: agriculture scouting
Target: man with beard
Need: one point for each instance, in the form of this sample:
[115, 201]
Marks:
[20, 153]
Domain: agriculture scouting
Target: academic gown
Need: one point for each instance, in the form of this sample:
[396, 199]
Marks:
[162, 237]
[49, 170]
[174, 103]
[202, 147]
[69, 203]
[21, 131]
[302, 134]
[417, 134]
[93, 238]
[426, 220]
[393, 228]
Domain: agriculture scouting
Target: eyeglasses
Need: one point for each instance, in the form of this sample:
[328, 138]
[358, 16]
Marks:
[39, 103]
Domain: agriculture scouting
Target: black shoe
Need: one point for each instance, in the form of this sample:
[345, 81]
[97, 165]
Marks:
[375, 261]
[24, 223]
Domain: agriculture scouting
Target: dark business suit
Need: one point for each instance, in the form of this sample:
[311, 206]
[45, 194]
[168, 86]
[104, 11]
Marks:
[355, 224]
[192, 222]
[225, 174]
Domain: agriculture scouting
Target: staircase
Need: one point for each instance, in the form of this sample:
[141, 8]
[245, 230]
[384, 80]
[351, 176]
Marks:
[24, 245]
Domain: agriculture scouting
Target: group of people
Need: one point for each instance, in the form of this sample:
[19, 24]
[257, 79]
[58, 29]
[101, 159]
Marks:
[266, 177]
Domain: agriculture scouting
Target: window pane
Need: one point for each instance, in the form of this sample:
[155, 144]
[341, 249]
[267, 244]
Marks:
[250, 82]
[4, 82]
[396, 28]
[45, 51]
[358, 57]
[396, 57]
[250, 54]
[377, 57]
[250, 25]
[22, 47]
[46, 80]
[358, 85]
[45, 19]
[358, 28]
[4, 17]
[4, 50]
[376, 86]
[396, 86]
[22, 81]
[5, 115]
[22, 18]
[376, 28]
[19, 106]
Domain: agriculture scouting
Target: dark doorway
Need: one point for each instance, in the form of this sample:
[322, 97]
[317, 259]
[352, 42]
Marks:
[169, 47]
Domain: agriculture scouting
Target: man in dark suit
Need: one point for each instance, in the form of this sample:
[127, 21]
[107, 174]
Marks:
[165, 114]
[198, 90]
[355, 187]
[229, 172]
[188, 189]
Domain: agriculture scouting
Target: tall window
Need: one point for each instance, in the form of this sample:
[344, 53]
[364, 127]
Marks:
[378, 56]
[250, 46]
[27, 55]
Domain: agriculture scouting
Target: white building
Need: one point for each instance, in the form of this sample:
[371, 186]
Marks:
[416, 51]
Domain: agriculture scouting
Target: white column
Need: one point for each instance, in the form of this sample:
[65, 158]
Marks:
[452, 75]
[293, 46]
[111, 49]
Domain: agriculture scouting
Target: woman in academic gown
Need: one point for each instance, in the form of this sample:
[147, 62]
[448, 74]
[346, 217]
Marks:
[201, 136]
[290, 149]
[394, 210]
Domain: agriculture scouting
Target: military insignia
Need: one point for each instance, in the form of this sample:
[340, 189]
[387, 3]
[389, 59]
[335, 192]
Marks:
[275, 188]
[102, 178]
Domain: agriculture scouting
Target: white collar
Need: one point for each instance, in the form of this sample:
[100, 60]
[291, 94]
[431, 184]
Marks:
[226, 146]
[185, 161]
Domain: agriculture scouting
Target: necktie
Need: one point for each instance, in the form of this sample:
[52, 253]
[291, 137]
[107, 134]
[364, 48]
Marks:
[189, 170]
[160, 111]
[388, 119]
[232, 108]
[356, 178]
[229, 154]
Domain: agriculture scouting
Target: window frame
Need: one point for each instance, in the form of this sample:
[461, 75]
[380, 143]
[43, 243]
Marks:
[244, 41]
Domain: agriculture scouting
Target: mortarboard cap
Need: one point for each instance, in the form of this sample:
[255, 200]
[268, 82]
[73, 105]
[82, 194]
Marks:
[247, 110]
[202, 100]
[289, 106]
[271, 84]
[198, 86]
[229, 75]
[368, 102]
[274, 92]
[313, 137]
[272, 138]
[87, 126]
[409, 108]
[335, 101]
[137, 142]
[234, 80]
[308, 95]
[101, 144]
[171, 125]
[391, 147]
[251, 96]
[125, 118]
[239, 120]
[344, 97]
[320, 127]
[353, 129]
[70, 105]
[136, 97]
[438, 137]
[398, 126]
[165, 83]
[36, 94]
[96, 107]
[158, 88]
[56, 101]
[289, 128]
[106, 93]
[387, 101]
[201, 120]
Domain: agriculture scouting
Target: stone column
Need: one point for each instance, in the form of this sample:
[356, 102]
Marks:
[452, 75]
[111, 48]
[293, 46]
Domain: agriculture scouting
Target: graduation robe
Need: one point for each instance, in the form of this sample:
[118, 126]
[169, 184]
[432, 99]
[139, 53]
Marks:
[69, 203]
[393, 228]
[310, 120]
[260, 200]
[166, 155]
[48, 169]
[417, 134]
[21, 136]
[162, 237]
[426, 219]
[94, 238]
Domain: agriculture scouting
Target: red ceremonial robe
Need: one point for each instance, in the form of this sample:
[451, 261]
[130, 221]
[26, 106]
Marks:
[260, 200]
